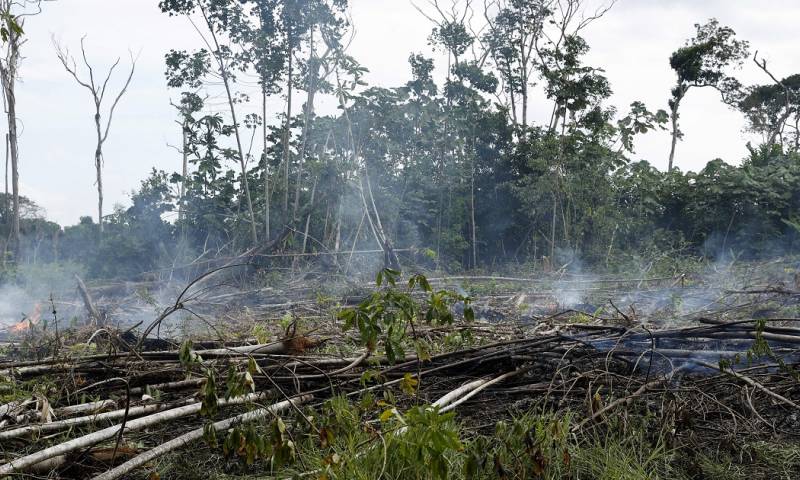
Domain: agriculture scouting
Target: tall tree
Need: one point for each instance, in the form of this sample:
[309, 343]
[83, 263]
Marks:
[514, 30]
[190, 104]
[12, 19]
[184, 68]
[266, 44]
[98, 93]
[703, 62]
[773, 110]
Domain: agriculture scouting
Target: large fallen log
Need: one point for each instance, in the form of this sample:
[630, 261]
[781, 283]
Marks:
[90, 439]
[88, 419]
[289, 346]
[197, 434]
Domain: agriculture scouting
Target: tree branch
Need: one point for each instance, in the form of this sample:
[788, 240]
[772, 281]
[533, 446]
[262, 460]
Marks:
[119, 96]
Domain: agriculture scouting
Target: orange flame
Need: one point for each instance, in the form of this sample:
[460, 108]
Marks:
[33, 319]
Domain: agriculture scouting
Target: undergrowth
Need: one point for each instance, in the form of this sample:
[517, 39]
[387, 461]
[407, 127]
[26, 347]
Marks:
[348, 439]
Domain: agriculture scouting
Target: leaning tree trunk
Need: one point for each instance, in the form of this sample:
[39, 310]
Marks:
[308, 217]
[243, 166]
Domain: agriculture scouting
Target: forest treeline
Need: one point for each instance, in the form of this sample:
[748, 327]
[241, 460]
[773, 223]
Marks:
[450, 163]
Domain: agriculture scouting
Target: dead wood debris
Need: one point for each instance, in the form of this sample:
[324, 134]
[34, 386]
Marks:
[700, 372]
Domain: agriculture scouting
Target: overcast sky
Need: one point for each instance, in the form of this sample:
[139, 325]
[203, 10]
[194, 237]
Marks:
[632, 43]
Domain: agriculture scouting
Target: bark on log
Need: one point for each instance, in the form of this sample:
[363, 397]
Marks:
[85, 441]
[197, 434]
[70, 410]
[458, 392]
[101, 417]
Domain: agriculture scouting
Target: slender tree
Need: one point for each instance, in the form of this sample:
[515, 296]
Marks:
[185, 68]
[514, 28]
[190, 104]
[266, 44]
[12, 18]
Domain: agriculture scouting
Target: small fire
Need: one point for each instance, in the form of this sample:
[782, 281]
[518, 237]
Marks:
[33, 319]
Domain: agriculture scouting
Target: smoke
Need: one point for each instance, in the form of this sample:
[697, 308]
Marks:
[39, 288]
[575, 284]
[15, 303]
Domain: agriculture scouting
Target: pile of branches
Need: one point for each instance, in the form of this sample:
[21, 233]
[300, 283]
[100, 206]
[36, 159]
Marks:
[731, 376]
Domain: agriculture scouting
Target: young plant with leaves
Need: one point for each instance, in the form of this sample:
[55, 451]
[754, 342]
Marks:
[387, 315]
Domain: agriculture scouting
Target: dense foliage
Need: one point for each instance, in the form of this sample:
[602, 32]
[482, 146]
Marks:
[449, 163]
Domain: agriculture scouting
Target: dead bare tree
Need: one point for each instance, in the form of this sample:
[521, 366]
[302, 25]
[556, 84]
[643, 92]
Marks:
[98, 92]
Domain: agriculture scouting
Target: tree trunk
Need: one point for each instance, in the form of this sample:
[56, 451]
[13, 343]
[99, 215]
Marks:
[308, 217]
[286, 137]
[8, 76]
[226, 83]
[524, 57]
[184, 170]
[98, 165]
[308, 111]
[12, 144]
[472, 214]
[6, 210]
[675, 131]
[243, 166]
[524, 104]
[266, 161]
[512, 95]
[390, 257]
[553, 231]
[338, 241]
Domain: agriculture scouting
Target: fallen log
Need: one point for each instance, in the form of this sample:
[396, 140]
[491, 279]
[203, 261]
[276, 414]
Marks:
[197, 434]
[85, 420]
[288, 346]
[458, 392]
[70, 410]
[483, 386]
[85, 441]
[166, 386]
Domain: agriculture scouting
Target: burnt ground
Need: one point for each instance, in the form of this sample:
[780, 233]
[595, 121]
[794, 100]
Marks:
[703, 361]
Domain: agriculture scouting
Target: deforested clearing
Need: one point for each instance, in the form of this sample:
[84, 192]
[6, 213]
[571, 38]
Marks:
[395, 239]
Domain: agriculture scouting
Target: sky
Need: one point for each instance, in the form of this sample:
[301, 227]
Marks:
[632, 43]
